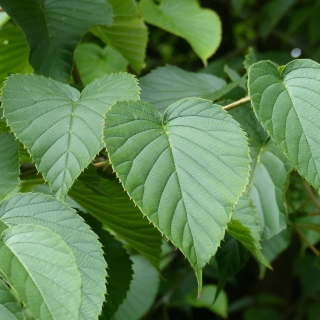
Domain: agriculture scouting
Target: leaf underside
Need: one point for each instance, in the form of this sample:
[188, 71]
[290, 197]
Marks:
[42, 210]
[61, 128]
[286, 103]
[158, 159]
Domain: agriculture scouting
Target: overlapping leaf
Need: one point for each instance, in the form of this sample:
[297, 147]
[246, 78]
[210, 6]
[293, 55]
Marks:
[128, 34]
[200, 27]
[185, 171]
[119, 268]
[42, 269]
[143, 290]
[94, 62]
[14, 53]
[43, 23]
[10, 308]
[244, 226]
[106, 200]
[61, 128]
[9, 164]
[231, 258]
[169, 84]
[41, 210]
[270, 171]
[286, 103]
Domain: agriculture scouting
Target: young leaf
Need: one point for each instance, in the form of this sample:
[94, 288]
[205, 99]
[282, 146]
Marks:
[185, 170]
[143, 290]
[119, 268]
[169, 84]
[41, 210]
[10, 308]
[14, 53]
[244, 226]
[9, 164]
[61, 128]
[42, 269]
[286, 104]
[42, 22]
[94, 62]
[106, 200]
[231, 258]
[128, 34]
[200, 27]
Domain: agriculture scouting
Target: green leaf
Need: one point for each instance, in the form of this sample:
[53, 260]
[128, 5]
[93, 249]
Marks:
[42, 269]
[286, 105]
[119, 268]
[61, 128]
[169, 168]
[43, 23]
[42, 210]
[272, 247]
[169, 84]
[186, 19]
[244, 226]
[106, 200]
[272, 13]
[94, 62]
[143, 290]
[128, 34]
[14, 53]
[250, 59]
[10, 308]
[231, 258]
[9, 164]
[270, 171]
[205, 300]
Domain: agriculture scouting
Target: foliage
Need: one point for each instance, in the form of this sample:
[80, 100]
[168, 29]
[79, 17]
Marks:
[214, 151]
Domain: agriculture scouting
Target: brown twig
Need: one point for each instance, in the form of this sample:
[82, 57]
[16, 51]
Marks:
[311, 195]
[305, 239]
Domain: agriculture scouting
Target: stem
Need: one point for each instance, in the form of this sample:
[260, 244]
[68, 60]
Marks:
[311, 195]
[76, 75]
[102, 164]
[236, 103]
[313, 214]
[308, 243]
[308, 226]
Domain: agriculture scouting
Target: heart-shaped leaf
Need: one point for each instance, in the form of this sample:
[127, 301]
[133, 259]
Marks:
[185, 170]
[286, 101]
[43, 23]
[42, 210]
[61, 128]
[42, 269]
